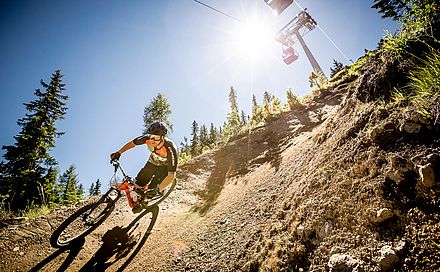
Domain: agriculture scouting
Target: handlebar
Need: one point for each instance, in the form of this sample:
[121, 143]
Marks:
[117, 166]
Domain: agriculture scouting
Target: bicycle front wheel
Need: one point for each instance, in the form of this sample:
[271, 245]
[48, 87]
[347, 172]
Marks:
[82, 222]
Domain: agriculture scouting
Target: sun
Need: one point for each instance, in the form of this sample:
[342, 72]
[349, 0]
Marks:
[253, 39]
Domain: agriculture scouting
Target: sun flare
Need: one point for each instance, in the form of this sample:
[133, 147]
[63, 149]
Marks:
[253, 39]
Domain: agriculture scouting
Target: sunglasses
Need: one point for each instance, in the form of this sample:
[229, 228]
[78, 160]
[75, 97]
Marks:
[155, 138]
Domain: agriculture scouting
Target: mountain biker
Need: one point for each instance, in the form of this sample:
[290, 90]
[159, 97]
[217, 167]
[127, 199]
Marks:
[159, 171]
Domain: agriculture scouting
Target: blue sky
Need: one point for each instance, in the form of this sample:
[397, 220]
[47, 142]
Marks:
[117, 55]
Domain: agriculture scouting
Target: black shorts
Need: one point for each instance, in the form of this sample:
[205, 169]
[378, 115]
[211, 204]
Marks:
[151, 174]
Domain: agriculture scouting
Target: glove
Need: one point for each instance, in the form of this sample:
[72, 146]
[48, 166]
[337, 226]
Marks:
[115, 156]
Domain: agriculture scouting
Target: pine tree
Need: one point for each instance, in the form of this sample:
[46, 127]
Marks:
[233, 115]
[184, 154]
[204, 137]
[195, 139]
[243, 119]
[313, 80]
[80, 191]
[393, 9]
[292, 100]
[158, 110]
[276, 106]
[336, 68]
[184, 146]
[213, 135]
[256, 111]
[27, 166]
[92, 189]
[69, 182]
[54, 191]
[97, 190]
[267, 100]
[225, 132]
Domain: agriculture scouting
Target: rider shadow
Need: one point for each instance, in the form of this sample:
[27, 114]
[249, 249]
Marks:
[119, 242]
[73, 249]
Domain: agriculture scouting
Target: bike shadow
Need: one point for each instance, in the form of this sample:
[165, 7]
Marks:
[122, 242]
[74, 248]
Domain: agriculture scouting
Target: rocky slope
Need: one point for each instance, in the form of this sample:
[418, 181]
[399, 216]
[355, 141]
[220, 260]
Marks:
[334, 185]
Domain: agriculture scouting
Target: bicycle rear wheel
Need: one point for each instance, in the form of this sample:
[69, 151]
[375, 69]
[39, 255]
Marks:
[82, 222]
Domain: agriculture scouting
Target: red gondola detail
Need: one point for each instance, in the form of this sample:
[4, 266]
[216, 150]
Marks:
[289, 55]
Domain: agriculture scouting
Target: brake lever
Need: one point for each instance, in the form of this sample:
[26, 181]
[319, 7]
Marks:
[116, 165]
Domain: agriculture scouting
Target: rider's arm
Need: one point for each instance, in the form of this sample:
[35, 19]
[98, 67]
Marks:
[137, 141]
[126, 147]
[172, 165]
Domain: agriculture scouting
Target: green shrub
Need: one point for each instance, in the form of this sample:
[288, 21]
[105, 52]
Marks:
[416, 26]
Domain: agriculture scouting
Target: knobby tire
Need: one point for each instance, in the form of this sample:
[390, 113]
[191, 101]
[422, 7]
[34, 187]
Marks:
[155, 202]
[55, 239]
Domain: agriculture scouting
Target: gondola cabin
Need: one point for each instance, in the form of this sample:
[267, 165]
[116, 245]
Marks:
[278, 6]
[289, 55]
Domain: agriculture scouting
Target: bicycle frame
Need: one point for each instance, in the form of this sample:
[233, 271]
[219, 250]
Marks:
[126, 186]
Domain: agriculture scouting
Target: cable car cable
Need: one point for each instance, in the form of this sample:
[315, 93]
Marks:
[216, 10]
[328, 37]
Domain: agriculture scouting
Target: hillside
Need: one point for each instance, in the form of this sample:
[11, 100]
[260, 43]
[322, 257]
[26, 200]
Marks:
[337, 184]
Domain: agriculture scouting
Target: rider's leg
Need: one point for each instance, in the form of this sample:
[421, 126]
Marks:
[145, 174]
[159, 175]
[143, 178]
[168, 179]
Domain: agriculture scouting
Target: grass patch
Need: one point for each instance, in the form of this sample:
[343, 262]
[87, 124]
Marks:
[423, 90]
[424, 87]
[36, 211]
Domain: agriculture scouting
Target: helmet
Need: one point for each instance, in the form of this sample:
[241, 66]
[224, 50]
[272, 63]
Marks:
[157, 128]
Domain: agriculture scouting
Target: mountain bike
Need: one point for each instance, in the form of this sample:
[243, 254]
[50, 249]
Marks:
[88, 218]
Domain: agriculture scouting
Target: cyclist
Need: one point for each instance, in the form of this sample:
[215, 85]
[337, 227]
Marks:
[159, 171]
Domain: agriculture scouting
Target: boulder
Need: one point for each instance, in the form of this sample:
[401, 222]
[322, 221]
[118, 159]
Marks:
[427, 175]
[344, 263]
[381, 215]
[411, 127]
[388, 258]
[397, 168]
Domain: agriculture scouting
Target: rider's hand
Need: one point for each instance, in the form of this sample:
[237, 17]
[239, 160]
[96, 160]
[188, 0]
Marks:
[115, 156]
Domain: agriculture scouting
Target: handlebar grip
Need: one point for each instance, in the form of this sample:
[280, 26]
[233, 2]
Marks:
[115, 164]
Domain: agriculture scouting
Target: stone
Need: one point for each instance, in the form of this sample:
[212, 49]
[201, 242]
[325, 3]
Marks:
[411, 127]
[382, 215]
[397, 168]
[400, 247]
[318, 138]
[344, 263]
[423, 120]
[300, 230]
[395, 175]
[388, 258]
[325, 230]
[427, 175]
[336, 249]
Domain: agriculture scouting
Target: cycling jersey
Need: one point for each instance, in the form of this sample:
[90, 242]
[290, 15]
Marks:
[163, 155]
